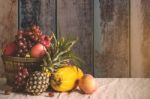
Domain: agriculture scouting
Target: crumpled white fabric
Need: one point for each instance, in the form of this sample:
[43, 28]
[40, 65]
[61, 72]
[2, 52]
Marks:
[107, 88]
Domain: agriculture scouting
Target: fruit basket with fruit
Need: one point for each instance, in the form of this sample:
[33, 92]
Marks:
[11, 65]
[35, 61]
[25, 50]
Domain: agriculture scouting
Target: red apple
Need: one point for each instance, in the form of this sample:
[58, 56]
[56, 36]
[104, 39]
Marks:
[87, 84]
[10, 49]
[38, 50]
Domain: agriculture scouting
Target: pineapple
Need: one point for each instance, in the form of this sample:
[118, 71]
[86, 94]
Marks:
[58, 60]
[59, 54]
[37, 83]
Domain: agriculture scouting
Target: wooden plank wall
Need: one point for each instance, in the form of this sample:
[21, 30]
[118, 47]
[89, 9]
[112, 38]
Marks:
[40, 12]
[75, 20]
[113, 40]
[140, 38]
[111, 53]
[8, 23]
[43, 13]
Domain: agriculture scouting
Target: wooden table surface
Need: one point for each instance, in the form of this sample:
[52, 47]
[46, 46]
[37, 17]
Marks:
[107, 88]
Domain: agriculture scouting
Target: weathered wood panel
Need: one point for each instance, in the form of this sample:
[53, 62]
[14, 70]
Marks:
[111, 58]
[8, 22]
[75, 20]
[140, 38]
[40, 12]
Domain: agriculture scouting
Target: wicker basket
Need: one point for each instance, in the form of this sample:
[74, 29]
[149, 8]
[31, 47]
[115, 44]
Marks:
[11, 65]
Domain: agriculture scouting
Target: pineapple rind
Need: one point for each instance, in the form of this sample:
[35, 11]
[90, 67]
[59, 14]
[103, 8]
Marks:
[37, 83]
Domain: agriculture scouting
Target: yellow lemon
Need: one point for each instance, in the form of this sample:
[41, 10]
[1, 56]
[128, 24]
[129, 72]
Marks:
[65, 78]
[78, 71]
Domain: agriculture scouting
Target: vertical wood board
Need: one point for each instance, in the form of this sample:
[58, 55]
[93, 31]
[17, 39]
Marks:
[75, 20]
[39, 12]
[8, 23]
[136, 39]
[140, 38]
[111, 58]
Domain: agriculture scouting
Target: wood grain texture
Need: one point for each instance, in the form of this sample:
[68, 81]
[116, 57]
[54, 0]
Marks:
[40, 12]
[136, 39]
[75, 20]
[112, 57]
[8, 23]
[140, 38]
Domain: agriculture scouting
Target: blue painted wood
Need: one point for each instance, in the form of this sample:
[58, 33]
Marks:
[103, 45]
[39, 12]
[111, 53]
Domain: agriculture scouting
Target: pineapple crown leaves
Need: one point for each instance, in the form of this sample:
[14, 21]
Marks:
[60, 53]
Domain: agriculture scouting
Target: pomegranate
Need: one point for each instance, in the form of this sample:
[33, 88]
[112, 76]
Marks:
[87, 84]
[46, 44]
[10, 49]
[45, 40]
[38, 50]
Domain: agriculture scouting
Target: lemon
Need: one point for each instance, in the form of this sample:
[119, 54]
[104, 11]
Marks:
[65, 78]
[78, 71]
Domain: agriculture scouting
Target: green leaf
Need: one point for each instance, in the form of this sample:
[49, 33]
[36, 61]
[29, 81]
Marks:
[60, 53]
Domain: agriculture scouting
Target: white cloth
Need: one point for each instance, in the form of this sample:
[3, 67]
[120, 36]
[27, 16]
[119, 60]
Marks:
[107, 88]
